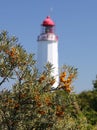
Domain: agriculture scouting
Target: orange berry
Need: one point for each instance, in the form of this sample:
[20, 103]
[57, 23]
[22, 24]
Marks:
[41, 112]
[62, 79]
[68, 89]
[42, 78]
[16, 105]
[58, 108]
[69, 80]
[9, 100]
[7, 51]
[59, 113]
[22, 95]
[48, 101]
[13, 49]
[38, 104]
[67, 84]
[63, 74]
[11, 53]
[37, 97]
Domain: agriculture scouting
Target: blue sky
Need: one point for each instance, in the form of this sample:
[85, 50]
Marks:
[76, 27]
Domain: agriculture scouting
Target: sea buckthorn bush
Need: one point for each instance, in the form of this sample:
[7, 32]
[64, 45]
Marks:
[27, 100]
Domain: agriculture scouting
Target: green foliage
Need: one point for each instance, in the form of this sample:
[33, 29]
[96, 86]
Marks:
[32, 104]
[95, 84]
[88, 104]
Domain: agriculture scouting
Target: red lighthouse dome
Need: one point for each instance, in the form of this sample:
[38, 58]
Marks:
[48, 30]
[48, 22]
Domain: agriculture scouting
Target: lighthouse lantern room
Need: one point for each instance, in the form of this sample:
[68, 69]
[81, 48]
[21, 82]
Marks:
[48, 48]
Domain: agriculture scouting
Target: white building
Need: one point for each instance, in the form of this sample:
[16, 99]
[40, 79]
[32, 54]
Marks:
[48, 48]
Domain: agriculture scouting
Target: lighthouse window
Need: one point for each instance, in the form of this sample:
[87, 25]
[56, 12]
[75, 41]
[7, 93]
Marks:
[48, 29]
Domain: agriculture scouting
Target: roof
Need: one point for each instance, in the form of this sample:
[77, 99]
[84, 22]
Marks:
[48, 22]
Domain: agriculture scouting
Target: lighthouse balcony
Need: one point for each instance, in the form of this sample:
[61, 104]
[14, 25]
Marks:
[47, 37]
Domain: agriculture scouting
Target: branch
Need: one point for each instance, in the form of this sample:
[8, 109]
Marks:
[3, 81]
[5, 77]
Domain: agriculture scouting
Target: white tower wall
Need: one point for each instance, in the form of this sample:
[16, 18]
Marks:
[48, 52]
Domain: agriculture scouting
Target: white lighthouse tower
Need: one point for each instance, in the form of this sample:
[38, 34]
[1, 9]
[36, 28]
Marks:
[48, 48]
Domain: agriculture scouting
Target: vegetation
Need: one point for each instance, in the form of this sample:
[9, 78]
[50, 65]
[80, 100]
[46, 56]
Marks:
[88, 104]
[32, 103]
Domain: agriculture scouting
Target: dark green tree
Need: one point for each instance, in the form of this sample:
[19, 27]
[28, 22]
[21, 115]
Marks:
[88, 104]
[95, 84]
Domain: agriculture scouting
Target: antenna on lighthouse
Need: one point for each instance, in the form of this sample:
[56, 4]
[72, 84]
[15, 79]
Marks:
[51, 11]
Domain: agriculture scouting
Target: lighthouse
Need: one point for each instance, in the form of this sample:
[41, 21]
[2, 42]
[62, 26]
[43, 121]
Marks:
[48, 48]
